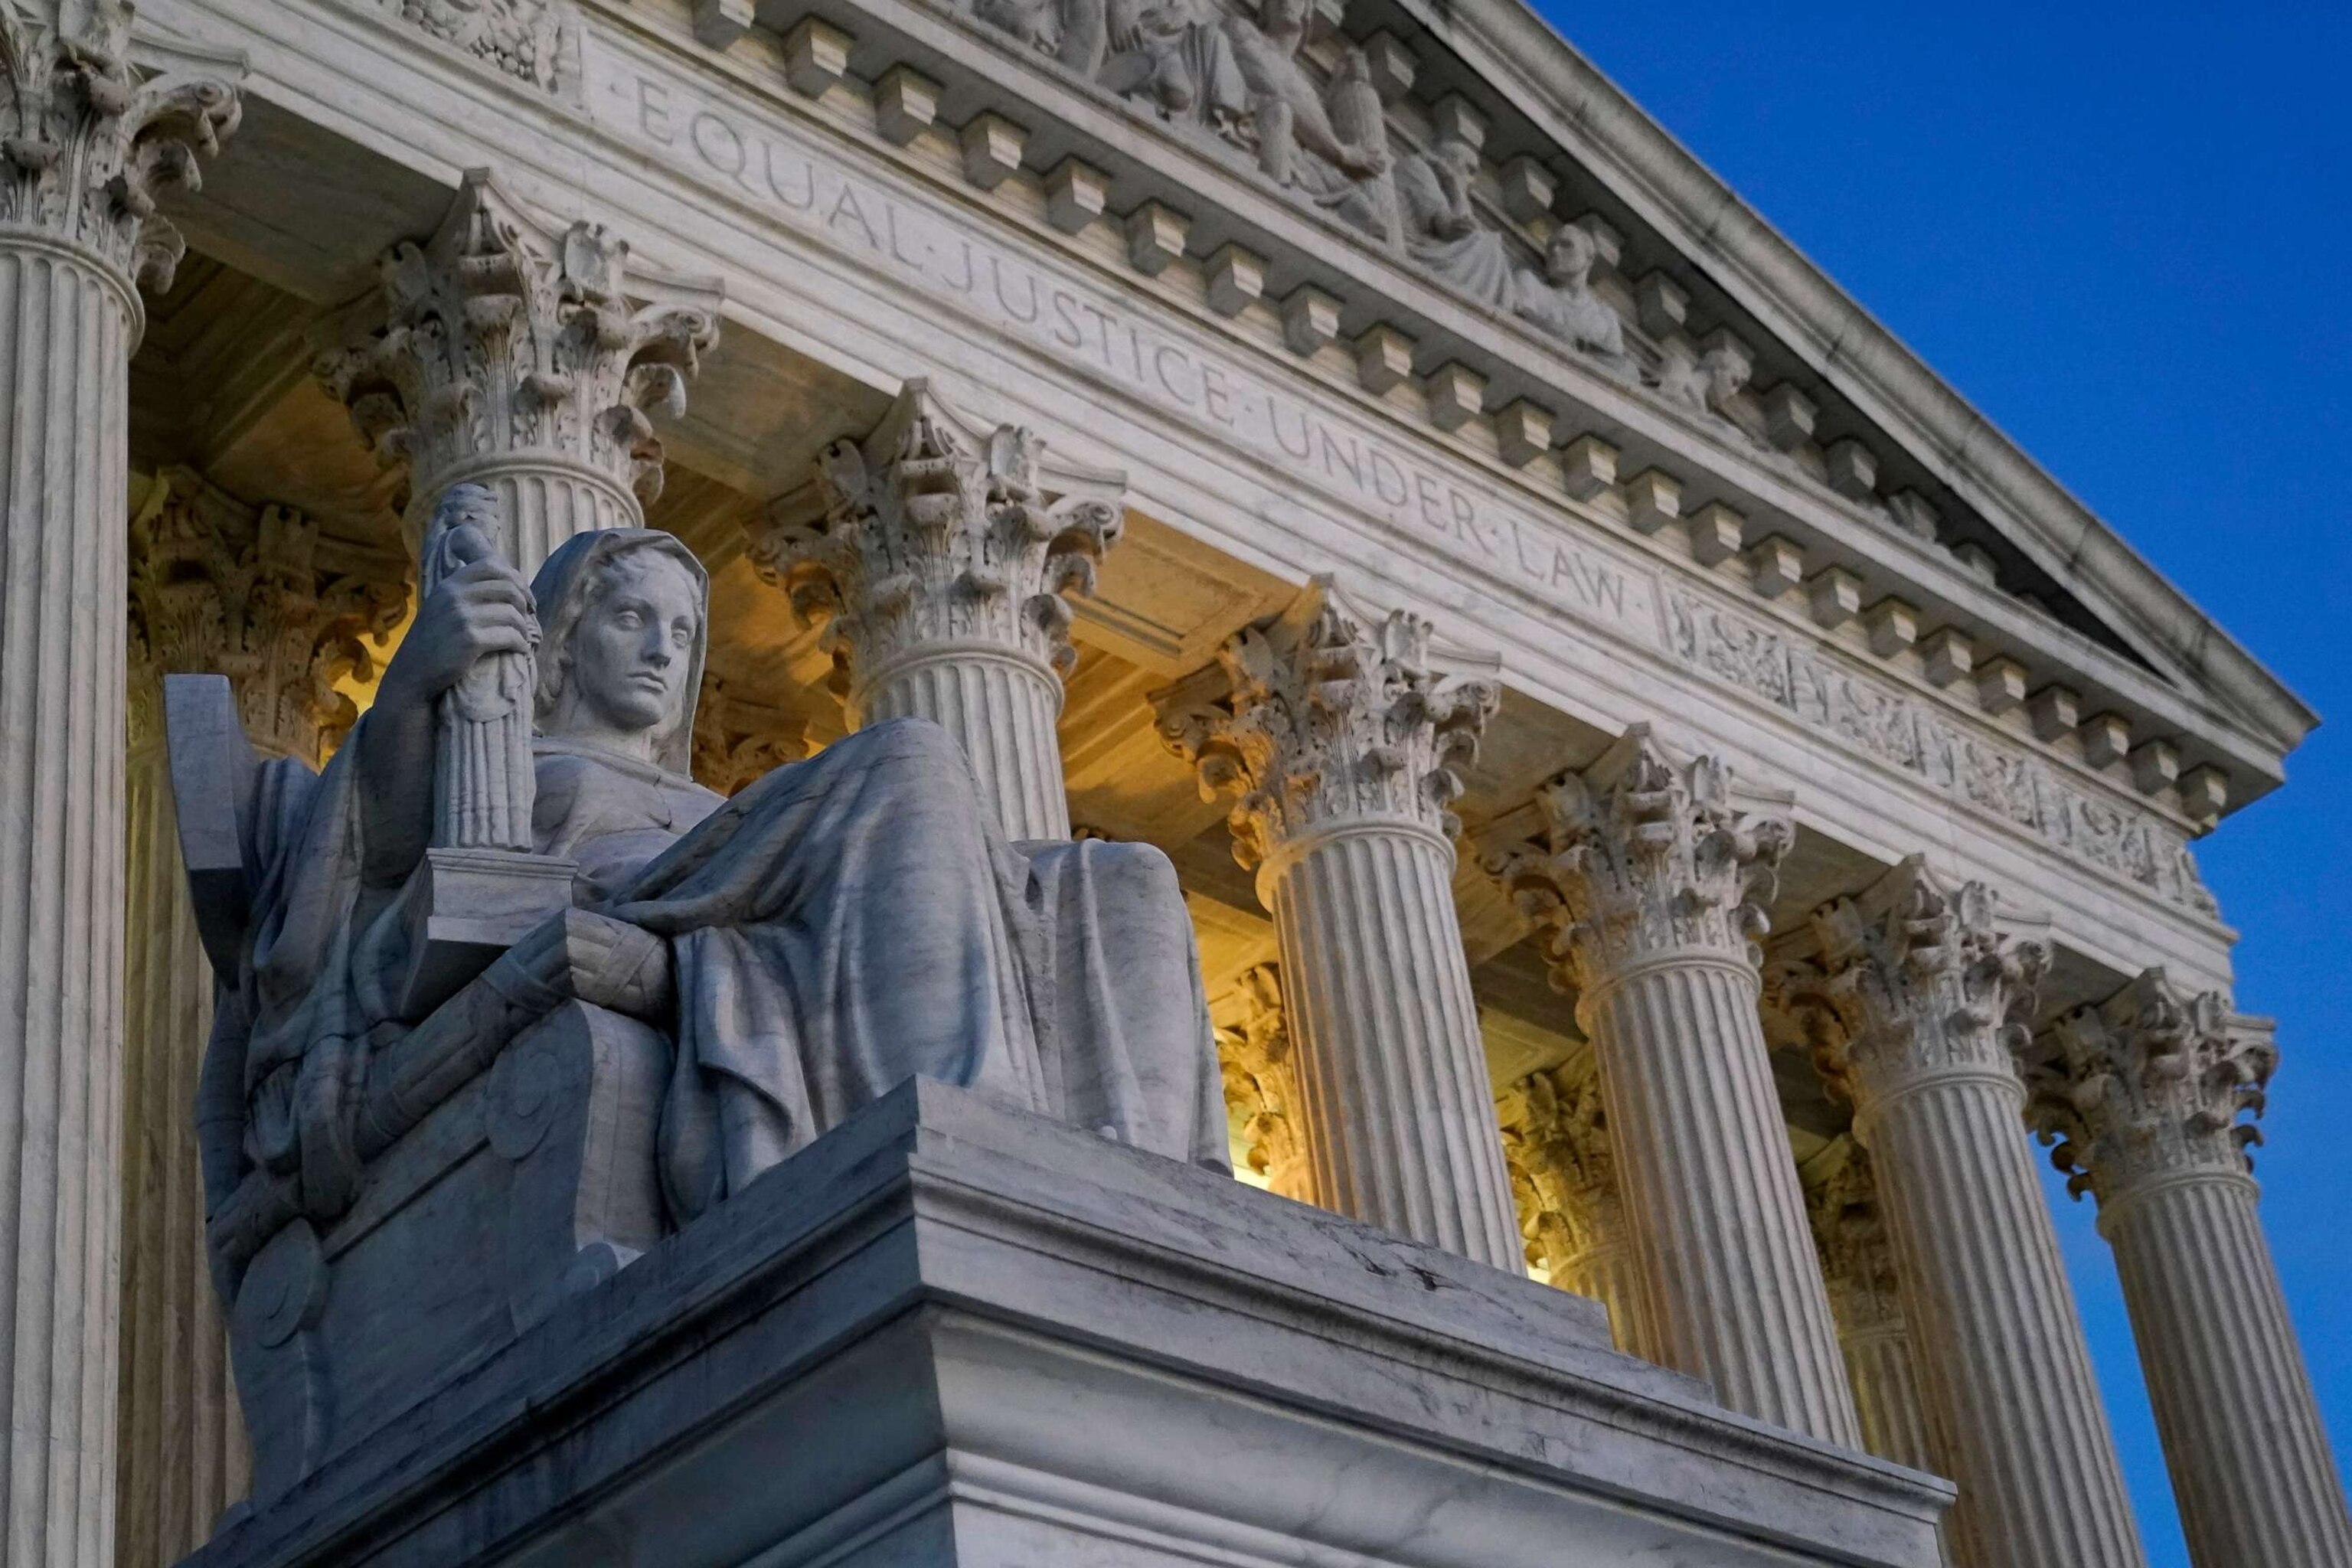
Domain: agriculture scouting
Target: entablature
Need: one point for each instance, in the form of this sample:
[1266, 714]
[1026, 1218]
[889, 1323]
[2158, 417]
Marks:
[1288, 461]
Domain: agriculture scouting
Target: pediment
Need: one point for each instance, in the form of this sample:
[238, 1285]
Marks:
[1457, 200]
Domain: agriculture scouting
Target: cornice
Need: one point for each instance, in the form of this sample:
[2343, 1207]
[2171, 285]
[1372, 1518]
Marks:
[1545, 78]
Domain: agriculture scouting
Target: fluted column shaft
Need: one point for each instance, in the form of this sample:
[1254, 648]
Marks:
[1731, 1289]
[2143, 1095]
[1001, 708]
[2251, 1464]
[1398, 1113]
[1929, 1004]
[1651, 885]
[67, 324]
[1880, 1366]
[1609, 1271]
[2013, 1408]
[185, 1455]
[540, 503]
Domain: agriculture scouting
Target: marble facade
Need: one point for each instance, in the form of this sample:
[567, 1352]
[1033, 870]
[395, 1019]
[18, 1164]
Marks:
[1666, 798]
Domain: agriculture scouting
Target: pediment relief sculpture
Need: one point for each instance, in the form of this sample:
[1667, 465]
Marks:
[530, 41]
[506, 904]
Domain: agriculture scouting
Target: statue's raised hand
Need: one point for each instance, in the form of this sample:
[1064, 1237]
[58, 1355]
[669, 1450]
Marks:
[479, 606]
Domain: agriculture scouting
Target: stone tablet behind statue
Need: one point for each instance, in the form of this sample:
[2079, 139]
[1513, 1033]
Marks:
[727, 979]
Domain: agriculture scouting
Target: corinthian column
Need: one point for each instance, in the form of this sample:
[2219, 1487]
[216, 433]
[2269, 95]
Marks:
[1340, 733]
[215, 588]
[1932, 999]
[1556, 1143]
[939, 558]
[1859, 1268]
[1649, 884]
[86, 145]
[525, 356]
[2143, 1094]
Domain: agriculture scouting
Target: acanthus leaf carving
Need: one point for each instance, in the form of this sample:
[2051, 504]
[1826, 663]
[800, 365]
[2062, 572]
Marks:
[87, 144]
[220, 588]
[1857, 1263]
[1563, 1175]
[927, 536]
[2152, 1081]
[1326, 715]
[1924, 983]
[506, 335]
[737, 743]
[530, 41]
[1261, 1082]
[1641, 856]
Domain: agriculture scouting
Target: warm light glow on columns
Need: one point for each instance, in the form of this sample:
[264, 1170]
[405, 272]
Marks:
[526, 355]
[1649, 885]
[1338, 730]
[1261, 1079]
[218, 588]
[2143, 1093]
[1858, 1267]
[940, 557]
[85, 146]
[1564, 1178]
[1930, 999]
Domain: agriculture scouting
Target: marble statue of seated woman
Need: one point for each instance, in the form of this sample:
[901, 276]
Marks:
[838, 927]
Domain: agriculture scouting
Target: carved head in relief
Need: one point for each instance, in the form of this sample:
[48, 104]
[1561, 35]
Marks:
[625, 614]
[1569, 259]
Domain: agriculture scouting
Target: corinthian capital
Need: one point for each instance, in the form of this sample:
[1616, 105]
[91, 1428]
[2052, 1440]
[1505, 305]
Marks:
[254, 594]
[1857, 1264]
[1254, 1048]
[931, 535]
[1641, 856]
[1924, 982]
[2150, 1082]
[506, 336]
[89, 142]
[1563, 1176]
[1327, 715]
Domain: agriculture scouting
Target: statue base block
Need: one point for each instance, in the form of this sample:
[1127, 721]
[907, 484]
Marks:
[465, 907]
[947, 1333]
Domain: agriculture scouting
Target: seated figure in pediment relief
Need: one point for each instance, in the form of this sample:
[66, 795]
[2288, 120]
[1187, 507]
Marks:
[1562, 301]
[838, 927]
[1442, 230]
[1708, 383]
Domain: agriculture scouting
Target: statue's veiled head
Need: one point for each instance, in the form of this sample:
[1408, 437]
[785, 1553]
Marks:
[623, 616]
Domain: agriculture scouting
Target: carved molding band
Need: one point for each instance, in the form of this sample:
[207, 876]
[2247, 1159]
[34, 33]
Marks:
[1881, 720]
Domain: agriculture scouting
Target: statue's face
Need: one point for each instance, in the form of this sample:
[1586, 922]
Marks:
[1572, 256]
[632, 651]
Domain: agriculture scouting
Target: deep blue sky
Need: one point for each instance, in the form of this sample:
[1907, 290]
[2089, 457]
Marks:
[2125, 232]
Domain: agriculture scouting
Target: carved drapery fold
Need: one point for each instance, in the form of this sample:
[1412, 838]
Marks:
[1649, 885]
[1338, 730]
[2143, 1095]
[1254, 1048]
[253, 594]
[87, 145]
[1931, 998]
[940, 562]
[524, 355]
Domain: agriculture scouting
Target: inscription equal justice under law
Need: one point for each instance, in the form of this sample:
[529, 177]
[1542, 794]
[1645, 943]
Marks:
[769, 166]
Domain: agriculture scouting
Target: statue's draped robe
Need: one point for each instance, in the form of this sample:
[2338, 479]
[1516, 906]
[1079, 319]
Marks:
[841, 925]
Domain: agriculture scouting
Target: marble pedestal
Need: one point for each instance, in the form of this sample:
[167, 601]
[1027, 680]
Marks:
[949, 1333]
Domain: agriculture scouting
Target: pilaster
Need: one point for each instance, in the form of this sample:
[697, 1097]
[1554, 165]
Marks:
[1338, 732]
[1649, 885]
[87, 144]
[524, 355]
[939, 560]
[2143, 1095]
[1932, 999]
[218, 588]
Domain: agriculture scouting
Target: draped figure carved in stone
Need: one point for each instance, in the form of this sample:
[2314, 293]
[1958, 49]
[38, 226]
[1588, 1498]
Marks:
[835, 927]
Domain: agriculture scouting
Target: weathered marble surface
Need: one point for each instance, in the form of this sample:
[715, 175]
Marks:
[777, 960]
[952, 1333]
